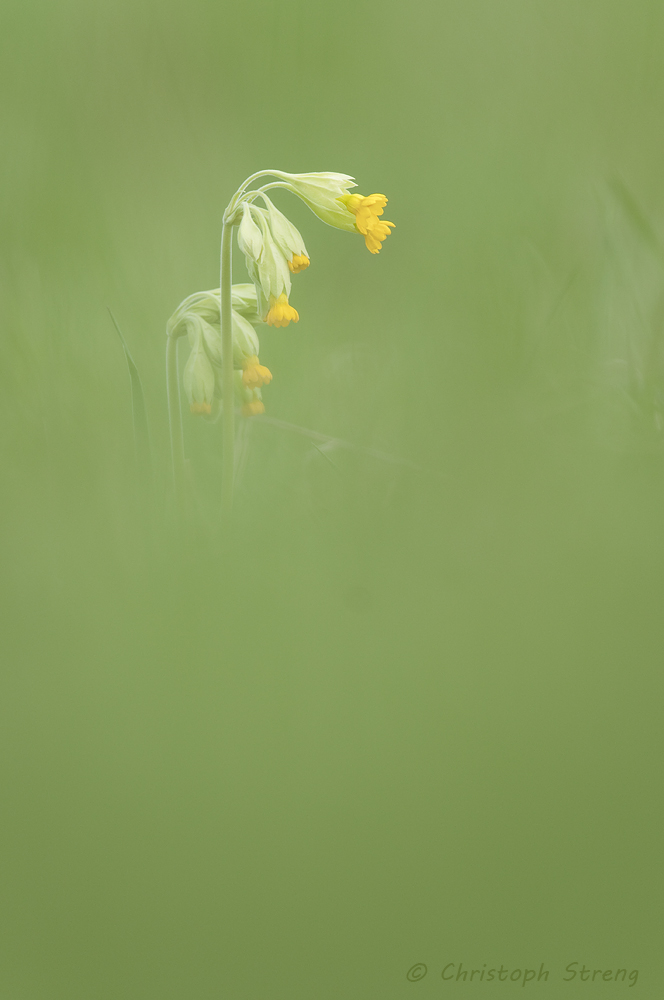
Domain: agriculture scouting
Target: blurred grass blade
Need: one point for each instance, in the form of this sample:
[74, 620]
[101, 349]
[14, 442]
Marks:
[139, 414]
[326, 441]
[636, 216]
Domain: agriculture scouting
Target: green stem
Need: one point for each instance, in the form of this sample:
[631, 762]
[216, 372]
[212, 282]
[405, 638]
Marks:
[245, 185]
[175, 419]
[250, 196]
[228, 386]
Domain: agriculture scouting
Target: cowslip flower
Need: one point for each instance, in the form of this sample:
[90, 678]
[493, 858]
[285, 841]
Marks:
[367, 211]
[254, 374]
[206, 305]
[281, 313]
[322, 192]
[254, 407]
[249, 235]
[245, 354]
[198, 378]
[287, 238]
[224, 365]
[267, 267]
[274, 249]
[327, 195]
[249, 396]
[198, 316]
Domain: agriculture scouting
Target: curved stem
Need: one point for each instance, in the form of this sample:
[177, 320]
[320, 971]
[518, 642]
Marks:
[245, 184]
[250, 196]
[175, 419]
[228, 387]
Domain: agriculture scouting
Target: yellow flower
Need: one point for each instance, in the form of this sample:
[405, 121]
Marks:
[281, 313]
[254, 374]
[323, 193]
[298, 263]
[201, 408]
[366, 211]
[253, 408]
[287, 238]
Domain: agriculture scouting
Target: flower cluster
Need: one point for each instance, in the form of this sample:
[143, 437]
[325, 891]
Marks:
[274, 249]
[199, 317]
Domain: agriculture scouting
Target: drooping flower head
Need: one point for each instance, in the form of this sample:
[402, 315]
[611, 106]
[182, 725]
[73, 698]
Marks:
[274, 249]
[267, 264]
[199, 317]
[322, 192]
[327, 195]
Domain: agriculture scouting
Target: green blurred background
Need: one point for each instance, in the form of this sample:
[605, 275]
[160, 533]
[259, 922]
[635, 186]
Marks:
[411, 712]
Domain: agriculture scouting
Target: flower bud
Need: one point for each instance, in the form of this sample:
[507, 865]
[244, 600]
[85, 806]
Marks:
[253, 408]
[249, 236]
[199, 380]
[212, 342]
[272, 266]
[245, 340]
[250, 398]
